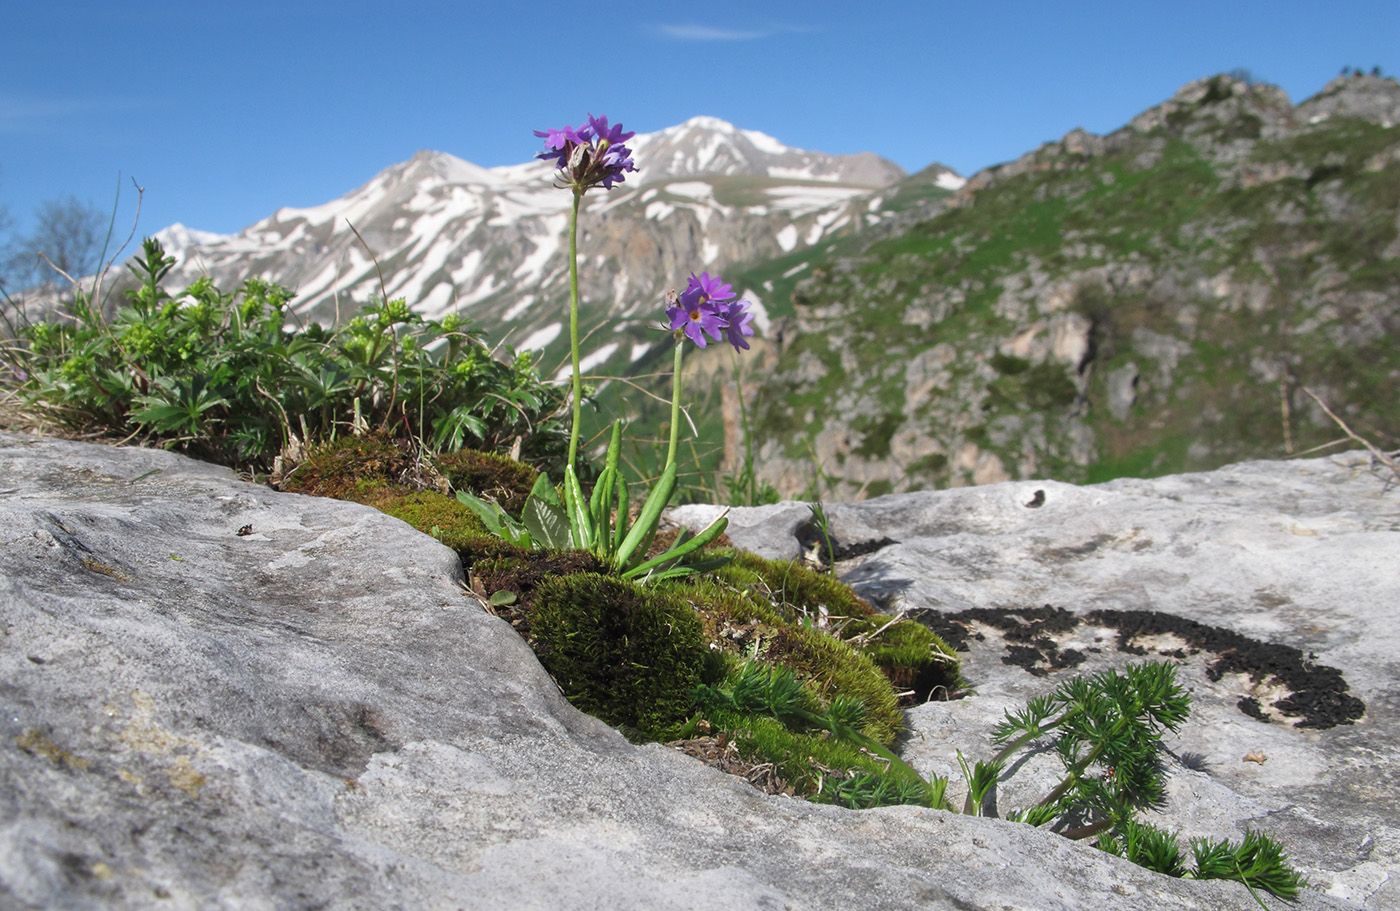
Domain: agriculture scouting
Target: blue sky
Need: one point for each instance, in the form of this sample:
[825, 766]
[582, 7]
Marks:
[227, 111]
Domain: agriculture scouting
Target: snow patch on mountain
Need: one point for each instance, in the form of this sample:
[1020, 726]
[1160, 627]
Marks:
[177, 236]
[471, 264]
[695, 189]
[540, 338]
[764, 143]
[518, 308]
[439, 299]
[800, 174]
[597, 358]
[547, 245]
[803, 200]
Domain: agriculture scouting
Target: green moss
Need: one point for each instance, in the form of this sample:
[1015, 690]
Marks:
[725, 606]
[629, 655]
[804, 760]
[773, 608]
[428, 511]
[833, 668]
[915, 659]
[521, 573]
[489, 475]
[348, 467]
[795, 589]
[436, 514]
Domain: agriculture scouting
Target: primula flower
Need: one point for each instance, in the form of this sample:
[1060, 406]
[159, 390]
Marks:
[706, 306]
[696, 316]
[590, 156]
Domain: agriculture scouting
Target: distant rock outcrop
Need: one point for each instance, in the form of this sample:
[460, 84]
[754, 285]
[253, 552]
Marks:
[219, 696]
[1150, 301]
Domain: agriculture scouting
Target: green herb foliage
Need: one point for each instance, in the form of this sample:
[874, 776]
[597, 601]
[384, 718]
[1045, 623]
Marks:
[222, 376]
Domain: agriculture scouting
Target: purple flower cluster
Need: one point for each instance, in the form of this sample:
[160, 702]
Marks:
[590, 156]
[707, 306]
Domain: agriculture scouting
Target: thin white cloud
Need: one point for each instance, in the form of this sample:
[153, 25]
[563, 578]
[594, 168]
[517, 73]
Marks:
[19, 115]
[708, 33]
[693, 32]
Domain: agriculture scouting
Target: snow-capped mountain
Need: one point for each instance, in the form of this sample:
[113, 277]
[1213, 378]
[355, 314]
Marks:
[491, 242]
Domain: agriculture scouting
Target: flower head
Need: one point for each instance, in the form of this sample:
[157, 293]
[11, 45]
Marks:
[589, 156]
[706, 306]
[695, 317]
[612, 135]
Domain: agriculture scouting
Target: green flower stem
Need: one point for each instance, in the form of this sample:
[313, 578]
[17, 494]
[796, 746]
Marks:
[573, 328]
[748, 483]
[675, 405]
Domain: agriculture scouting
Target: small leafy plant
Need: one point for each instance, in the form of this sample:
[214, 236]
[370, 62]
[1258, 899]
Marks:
[1111, 723]
[599, 523]
[221, 376]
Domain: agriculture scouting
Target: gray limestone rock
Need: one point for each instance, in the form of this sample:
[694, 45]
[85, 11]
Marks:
[214, 695]
[1122, 390]
[1274, 585]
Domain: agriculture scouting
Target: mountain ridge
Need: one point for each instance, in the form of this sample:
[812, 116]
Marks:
[1158, 299]
[490, 242]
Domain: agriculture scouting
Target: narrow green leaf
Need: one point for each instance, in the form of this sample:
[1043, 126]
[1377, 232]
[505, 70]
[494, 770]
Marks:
[600, 509]
[639, 538]
[577, 508]
[614, 446]
[712, 531]
[624, 506]
[687, 569]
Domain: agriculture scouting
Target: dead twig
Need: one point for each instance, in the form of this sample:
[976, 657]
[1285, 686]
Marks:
[1384, 459]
